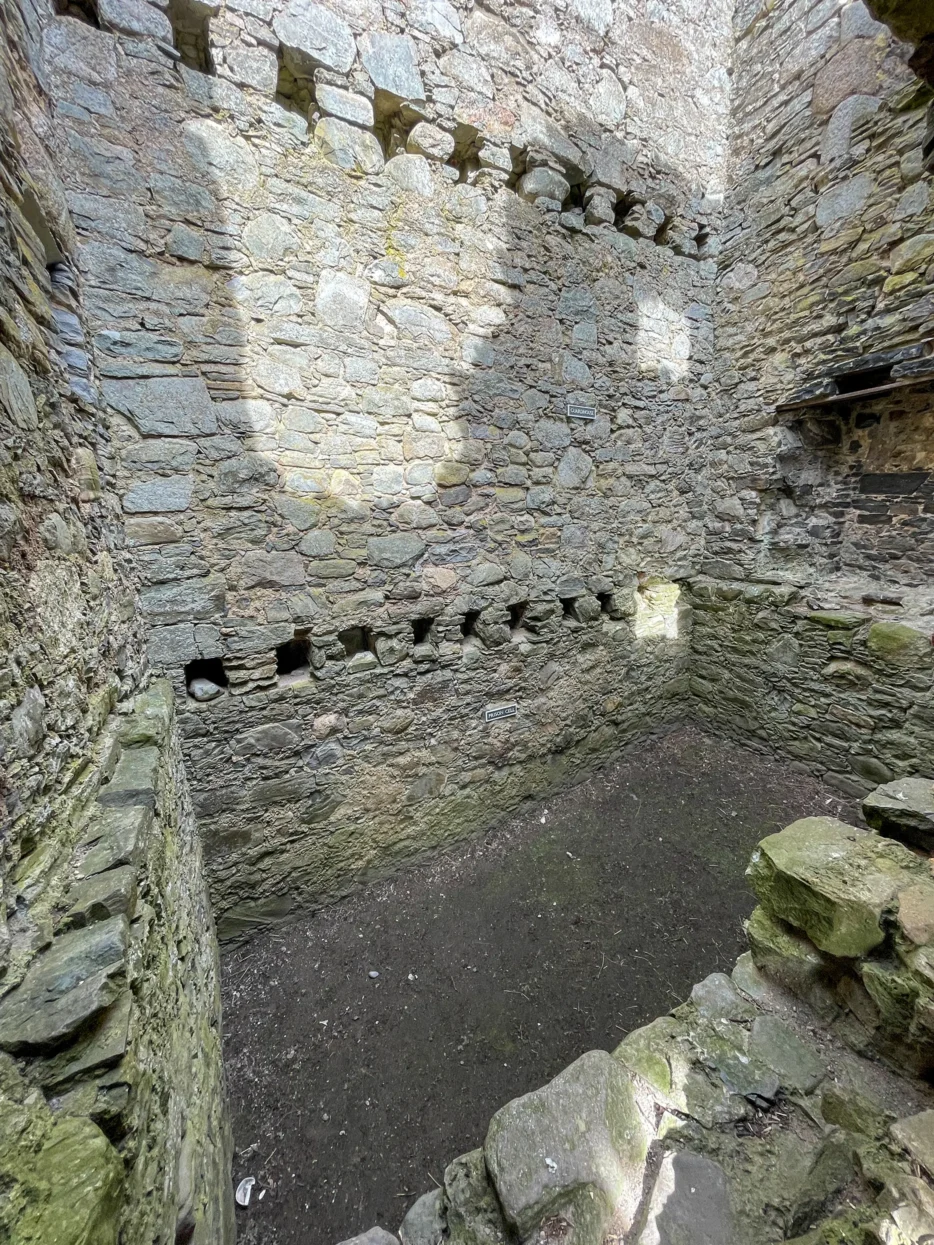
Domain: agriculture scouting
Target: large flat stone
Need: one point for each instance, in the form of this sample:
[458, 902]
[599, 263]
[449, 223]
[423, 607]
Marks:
[903, 810]
[573, 1150]
[916, 1135]
[392, 64]
[118, 836]
[64, 987]
[134, 780]
[690, 1203]
[312, 33]
[164, 405]
[832, 881]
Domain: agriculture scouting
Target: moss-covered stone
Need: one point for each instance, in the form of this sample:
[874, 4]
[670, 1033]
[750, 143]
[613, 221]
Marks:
[898, 644]
[832, 881]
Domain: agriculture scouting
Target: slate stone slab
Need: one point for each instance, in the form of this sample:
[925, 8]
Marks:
[117, 837]
[177, 406]
[103, 1044]
[798, 1067]
[64, 987]
[424, 1221]
[574, 1149]
[916, 1135]
[134, 780]
[903, 810]
[104, 895]
[690, 1203]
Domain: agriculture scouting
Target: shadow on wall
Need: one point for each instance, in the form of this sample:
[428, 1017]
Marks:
[352, 486]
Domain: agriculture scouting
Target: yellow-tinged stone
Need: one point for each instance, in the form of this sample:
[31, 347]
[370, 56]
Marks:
[916, 912]
[893, 284]
[914, 254]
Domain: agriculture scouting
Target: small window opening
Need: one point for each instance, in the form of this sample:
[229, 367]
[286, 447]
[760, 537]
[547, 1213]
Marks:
[209, 668]
[356, 640]
[421, 629]
[190, 23]
[567, 605]
[469, 625]
[516, 614]
[574, 199]
[80, 10]
[870, 378]
[606, 601]
[623, 207]
[927, 143]
[295, 655]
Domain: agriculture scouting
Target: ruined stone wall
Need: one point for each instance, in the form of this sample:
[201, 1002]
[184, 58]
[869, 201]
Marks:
[826, 262]
[344, 282]
[112, 1111]
[817, 533]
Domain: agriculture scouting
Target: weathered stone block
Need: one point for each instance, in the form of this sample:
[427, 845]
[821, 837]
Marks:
[314, 34]
[133, 781]
[392, 64]
[351, 149]
[575, 1148]
[65, 987]
[903, 810]
[165, 493]
[164, 405]
[830, 880]
[396, 550]
[345, 105]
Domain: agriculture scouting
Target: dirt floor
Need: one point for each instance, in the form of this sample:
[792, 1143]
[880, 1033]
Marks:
[584, 917]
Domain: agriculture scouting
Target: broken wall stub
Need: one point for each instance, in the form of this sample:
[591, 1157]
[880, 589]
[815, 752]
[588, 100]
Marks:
[344, 289]
[112, 1107]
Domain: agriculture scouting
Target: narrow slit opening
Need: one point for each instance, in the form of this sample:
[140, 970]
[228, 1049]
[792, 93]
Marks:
[469, 625]
[567, 605]
[606, 601]
[355, 640]
[516, 614]
[294, 657]
[421, 630]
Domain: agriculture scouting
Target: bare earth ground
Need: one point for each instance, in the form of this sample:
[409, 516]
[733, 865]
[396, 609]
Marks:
[581, 919]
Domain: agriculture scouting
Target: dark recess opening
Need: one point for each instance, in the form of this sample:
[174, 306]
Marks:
[516, 614]
[421, 629]
[294, 655]
[606, 601]
[853, 382]
[567, 605]
[80, 10]
[356, 640]
[468, 626]
[190, 21]
[206, 668]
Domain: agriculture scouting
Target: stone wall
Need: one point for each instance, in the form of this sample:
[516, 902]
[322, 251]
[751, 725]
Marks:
[826, 263]
[112, 1111]
[843, 685]
[344, 283]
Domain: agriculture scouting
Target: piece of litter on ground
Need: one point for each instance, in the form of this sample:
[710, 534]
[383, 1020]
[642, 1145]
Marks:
[245, 1190]
[551, 1165]
[262, 1194]
[373, 974]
